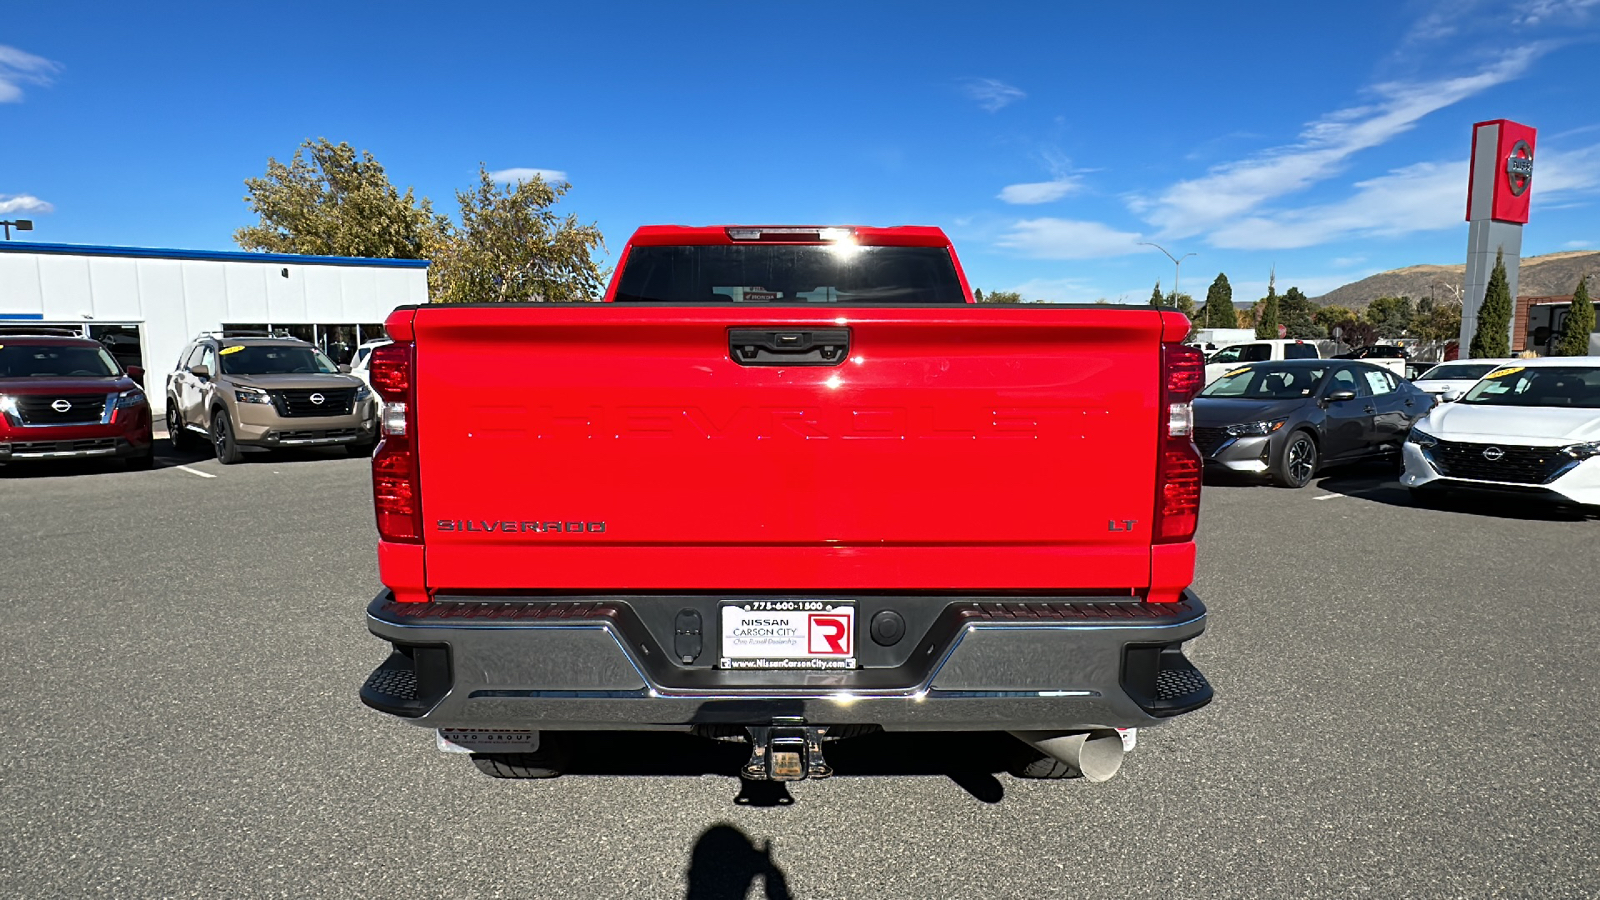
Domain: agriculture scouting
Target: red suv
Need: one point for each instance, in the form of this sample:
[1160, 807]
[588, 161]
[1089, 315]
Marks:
[65, 397]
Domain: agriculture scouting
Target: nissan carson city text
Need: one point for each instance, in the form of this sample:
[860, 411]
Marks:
[785, 486]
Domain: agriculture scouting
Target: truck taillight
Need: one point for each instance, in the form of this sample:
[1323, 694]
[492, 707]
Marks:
[1179, 470]
[396, 488]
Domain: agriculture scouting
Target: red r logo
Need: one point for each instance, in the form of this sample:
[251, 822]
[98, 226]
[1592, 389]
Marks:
[828, 634]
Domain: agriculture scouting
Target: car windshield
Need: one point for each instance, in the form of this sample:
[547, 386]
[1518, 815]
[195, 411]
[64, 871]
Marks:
[1561, 386]
[1458, 372]
[789, 274]
[55, 361]
[1266, 382]
[274, 359]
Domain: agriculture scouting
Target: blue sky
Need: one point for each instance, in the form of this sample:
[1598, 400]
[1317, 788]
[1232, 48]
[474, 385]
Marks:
[1327, 140]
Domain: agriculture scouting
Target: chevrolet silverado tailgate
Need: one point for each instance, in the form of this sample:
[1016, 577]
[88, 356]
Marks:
[615, 447]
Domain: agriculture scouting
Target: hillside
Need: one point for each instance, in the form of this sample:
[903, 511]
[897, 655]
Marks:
[1551, 274]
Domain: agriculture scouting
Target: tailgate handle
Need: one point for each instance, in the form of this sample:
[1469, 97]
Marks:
[756, 347]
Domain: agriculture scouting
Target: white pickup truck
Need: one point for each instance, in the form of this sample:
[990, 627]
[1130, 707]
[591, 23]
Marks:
[1230, 357]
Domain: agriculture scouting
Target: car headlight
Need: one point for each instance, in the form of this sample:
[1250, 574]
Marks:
[362, 393]
[251, 395]
[1422, 439]
[8, 404]
[130, 398]
[1255, 429]
[1582, 451]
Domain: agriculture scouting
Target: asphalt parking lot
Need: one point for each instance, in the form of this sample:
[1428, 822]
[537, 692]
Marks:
[1405, 708]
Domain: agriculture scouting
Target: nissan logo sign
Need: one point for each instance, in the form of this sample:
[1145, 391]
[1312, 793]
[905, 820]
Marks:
[1519, 168]
[317, 399]
[1493, 453]
[61, 406]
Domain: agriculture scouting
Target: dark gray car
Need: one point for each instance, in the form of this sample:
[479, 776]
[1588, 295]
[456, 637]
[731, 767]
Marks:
[1288, 419]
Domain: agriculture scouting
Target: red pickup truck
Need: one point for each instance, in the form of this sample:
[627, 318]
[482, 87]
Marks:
[786, 486]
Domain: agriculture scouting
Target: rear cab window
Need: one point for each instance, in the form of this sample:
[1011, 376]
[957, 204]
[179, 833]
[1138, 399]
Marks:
[1300, 351]
[789, 274]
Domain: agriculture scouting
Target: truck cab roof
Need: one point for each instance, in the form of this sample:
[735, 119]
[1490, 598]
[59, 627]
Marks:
[870, 236]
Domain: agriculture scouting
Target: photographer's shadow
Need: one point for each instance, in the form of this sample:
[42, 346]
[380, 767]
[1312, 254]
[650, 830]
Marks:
[725, 863]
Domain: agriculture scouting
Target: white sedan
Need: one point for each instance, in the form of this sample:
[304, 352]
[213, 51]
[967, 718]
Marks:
[1531, 426]
[1450, 380]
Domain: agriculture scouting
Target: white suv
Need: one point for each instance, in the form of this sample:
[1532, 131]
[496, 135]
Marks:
[1529, 427]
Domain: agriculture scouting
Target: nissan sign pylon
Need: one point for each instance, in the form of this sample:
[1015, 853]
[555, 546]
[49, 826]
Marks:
[1498, 191]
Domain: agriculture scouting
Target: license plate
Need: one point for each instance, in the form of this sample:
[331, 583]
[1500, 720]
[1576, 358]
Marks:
[788, 634]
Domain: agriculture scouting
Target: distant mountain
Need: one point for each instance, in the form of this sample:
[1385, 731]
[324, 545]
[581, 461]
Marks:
[1541, 276]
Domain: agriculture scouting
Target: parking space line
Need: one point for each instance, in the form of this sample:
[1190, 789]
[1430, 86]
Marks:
[195, 472]
[1323, 497]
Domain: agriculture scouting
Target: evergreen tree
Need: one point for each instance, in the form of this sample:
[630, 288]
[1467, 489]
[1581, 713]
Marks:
[1580, 323]
[1297, 314]
[978, 295]
[1219, 304]
[1493, 337]
[1155, 296]
[1267, 318]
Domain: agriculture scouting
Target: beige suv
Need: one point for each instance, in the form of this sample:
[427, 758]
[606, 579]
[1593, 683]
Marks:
[249, 389]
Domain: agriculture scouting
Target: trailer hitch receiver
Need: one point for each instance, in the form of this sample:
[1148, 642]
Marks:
[786, 750]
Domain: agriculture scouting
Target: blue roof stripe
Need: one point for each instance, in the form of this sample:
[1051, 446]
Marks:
[221, 255]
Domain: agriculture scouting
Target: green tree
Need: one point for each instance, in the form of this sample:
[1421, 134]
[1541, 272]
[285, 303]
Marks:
[1580, 323]
[1219, 311]
[1493, 335]
[1391, 316]
[1297, 314]
[1156, 297]
[1002, 297]
[1436, 321]
[331, 200]
[1267, 318]
[1331, 317]
[978, 295]
[1181, 302]
[512, 247]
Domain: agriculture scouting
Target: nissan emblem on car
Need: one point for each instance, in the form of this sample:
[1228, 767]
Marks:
[1519, 168]
[61, 406]
[1493, 453]
[317, 399]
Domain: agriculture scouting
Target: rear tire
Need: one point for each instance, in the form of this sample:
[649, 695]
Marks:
[549, 761]
[222, 439]
[1296, 461]
[177, 433]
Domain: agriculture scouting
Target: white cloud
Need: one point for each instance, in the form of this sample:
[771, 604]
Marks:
[1345, 262]
[1577, 245]
[18, 68]
[1068, 239]
[1040, 191]
[1540, 12]
[991, 94]
[1426, 196]
[1227, 192]
[18, 203]
[509, 176]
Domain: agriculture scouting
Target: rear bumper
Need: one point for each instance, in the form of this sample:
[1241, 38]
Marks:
[981, 665]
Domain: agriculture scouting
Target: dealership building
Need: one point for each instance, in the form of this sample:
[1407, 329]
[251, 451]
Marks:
[146, 304]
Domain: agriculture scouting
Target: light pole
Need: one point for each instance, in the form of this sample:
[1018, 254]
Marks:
[1177, 262]
[19, 224]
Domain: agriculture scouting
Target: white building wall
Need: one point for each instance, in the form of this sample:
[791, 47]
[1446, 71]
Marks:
[175, 297]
